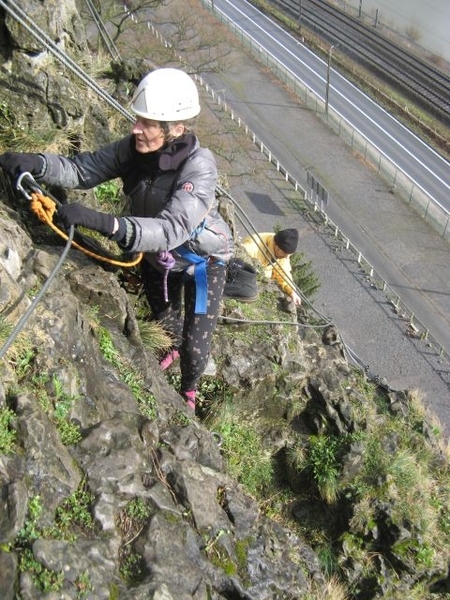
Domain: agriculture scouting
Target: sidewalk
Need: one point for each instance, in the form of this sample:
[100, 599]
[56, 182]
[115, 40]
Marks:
[402, 248]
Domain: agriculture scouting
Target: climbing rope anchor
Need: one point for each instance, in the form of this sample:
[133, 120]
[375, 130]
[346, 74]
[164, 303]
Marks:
[44, 206]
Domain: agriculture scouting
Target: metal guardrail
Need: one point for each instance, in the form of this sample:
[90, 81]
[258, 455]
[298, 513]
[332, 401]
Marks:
[415, 328]
[426, 206]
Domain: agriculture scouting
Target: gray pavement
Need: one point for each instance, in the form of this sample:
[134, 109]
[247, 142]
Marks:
[405, 251]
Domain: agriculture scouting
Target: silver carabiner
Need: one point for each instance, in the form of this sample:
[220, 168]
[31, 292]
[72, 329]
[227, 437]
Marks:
[34, 186]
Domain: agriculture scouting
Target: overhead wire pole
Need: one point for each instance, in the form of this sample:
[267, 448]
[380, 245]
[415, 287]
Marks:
[327, 86]
[300, 16]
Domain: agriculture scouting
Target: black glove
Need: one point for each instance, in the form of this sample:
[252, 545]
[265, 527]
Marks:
[77, 214]
[15, 163]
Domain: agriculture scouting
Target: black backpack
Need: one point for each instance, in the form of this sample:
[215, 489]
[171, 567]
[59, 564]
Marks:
[241, 281]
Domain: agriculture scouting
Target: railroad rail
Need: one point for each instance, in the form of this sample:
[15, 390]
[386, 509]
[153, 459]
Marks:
[423, 82]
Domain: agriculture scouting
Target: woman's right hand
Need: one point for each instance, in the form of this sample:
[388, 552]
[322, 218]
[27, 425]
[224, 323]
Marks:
[15, 163]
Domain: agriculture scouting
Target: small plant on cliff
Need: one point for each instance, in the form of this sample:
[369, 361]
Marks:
[153, 336]
[20, 353]
[31, 531]
[324, 465]
[127, 373]
[245, 455]
[138, 510]
[303, 275]
[17, 135]
[7, 434]
[45, 579]
[217, 552]
[110, 196]
[131, 521]
[57, 404]
[131, 565]
[83, 585]
[132, 518]
[73, 516]
[320, 459]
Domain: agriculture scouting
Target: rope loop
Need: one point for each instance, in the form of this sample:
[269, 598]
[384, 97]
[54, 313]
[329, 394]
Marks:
[44, 208]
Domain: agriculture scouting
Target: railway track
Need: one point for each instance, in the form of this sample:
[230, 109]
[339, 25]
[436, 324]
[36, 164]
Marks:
[420, 80]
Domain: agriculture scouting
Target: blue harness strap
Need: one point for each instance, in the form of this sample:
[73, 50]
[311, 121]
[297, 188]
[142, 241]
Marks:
[201, 280]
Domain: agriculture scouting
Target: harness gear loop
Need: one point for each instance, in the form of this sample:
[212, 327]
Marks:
[44, 208]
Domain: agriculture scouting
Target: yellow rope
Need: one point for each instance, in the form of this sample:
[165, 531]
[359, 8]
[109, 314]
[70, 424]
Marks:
[44, 208]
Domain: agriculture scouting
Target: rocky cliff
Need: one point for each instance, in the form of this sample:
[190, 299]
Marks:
[298, 478]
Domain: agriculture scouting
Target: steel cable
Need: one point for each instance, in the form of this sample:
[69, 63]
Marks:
[20, 325]
[109, 42]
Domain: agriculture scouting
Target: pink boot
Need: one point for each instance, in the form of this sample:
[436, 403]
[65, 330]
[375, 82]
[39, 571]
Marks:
[189, 396]
[168, 359]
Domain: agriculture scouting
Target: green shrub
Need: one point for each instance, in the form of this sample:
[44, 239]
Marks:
[247, 460]
[7, 434]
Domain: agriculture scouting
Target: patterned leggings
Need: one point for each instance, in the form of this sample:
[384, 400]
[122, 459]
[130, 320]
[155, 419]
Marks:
[192, 333]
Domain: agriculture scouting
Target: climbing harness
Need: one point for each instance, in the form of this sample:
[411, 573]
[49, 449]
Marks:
[45, 206]
[201, 280]
[166, 261]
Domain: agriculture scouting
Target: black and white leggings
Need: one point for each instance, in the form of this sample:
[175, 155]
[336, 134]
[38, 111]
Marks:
[192, 333]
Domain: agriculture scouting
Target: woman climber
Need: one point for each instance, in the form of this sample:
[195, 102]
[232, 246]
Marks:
[170, 181]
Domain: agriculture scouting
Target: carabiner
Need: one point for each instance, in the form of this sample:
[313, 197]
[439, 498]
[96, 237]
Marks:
[33, 186]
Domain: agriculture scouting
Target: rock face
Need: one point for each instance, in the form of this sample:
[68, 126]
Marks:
[171, 463]
[110, 489]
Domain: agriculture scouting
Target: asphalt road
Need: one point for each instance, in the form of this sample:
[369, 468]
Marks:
[426, 168]
[408, 254]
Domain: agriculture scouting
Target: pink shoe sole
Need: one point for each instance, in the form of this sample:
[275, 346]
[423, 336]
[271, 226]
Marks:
[189, 397]
[168, 359]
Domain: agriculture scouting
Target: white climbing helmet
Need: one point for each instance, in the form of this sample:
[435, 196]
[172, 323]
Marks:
[166, 95]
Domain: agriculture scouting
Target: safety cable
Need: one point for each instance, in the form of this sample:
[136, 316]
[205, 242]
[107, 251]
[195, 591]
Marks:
[20, 325]
[109, 43]
[263, 322]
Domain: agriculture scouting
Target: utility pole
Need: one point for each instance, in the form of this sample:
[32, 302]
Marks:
[327, 88]
[300, 15]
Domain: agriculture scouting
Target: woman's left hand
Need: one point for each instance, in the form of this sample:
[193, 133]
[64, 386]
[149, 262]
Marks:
[77, 214]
